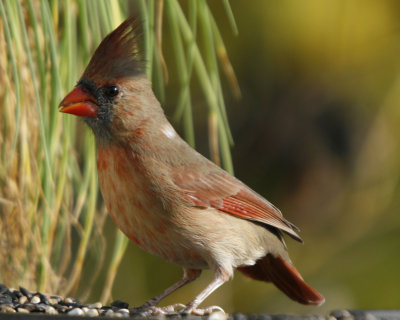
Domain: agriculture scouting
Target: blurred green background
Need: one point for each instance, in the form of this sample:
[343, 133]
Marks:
[316, 132]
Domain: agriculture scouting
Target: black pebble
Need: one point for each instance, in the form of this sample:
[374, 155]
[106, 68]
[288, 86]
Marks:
[120, 304]
[56, 298]
[5, 299]
[68, 304]
[25, 292]
[39, 308]
[15, 295]
[264, 317]
[60, 308]
[3, 289]
[43, 298]
[239, 316]
[29, 306]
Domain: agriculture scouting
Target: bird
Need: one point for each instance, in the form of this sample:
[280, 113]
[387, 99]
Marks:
[165, 196]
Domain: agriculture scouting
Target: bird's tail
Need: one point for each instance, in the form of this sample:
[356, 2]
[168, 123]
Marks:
[285, 277]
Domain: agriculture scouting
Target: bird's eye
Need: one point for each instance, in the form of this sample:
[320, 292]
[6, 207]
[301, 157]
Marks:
[111, 91]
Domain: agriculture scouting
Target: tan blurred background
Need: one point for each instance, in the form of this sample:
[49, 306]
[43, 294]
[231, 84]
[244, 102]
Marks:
[317, 132]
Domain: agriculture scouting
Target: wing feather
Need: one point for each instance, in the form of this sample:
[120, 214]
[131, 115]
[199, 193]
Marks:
[218, 189]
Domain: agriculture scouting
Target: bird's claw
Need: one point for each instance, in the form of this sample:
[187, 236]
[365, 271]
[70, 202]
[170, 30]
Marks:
[144, 310]
[175, 309]
[204, 311]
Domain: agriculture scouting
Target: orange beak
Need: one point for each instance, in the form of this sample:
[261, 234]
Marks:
[79, 103]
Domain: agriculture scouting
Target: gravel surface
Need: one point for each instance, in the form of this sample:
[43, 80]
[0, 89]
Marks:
[23, 301]
[17, 304]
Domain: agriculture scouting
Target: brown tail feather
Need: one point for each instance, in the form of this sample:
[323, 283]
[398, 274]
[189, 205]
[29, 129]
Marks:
[285, 277]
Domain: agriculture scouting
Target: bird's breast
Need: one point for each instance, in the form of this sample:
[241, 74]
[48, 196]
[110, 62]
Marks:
[136, 209]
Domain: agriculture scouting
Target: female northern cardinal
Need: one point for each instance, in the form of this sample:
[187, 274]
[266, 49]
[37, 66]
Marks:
[167, 198]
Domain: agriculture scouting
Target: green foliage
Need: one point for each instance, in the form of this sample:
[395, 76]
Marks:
[51, 222]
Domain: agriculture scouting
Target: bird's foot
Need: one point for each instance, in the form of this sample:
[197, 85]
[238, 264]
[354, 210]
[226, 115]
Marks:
[146, 310]
[175, 309]
[203, 311]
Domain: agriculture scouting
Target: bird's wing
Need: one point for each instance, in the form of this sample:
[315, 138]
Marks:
[218, 189]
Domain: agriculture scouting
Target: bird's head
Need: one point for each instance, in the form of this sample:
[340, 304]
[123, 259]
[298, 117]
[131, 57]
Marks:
[110, 88]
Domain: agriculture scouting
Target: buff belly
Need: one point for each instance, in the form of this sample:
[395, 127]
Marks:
[136, 213]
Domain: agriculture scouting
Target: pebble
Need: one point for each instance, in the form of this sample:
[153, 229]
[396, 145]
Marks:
[96, 305]
[5, 299]
[3, 288]
[68, 300]
[112, 314]
[264, 317]
[23, 310]
[342, 314]
[109, 313]
[102, 312]
[92, 313]
[239, 316]
[15, 294]
[25, 292]
[50, 310]
[120, 304]
[60, 308]
[76, 312]
[30, 307]
[23, 300]
[124, 310]
[43, 298]
[35, 299]
[41, 307]
[7, 309]
[219, 315]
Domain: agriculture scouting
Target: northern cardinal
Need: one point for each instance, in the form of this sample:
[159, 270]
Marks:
[166, 197]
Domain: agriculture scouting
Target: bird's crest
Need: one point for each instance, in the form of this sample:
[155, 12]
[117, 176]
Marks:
[118, 55]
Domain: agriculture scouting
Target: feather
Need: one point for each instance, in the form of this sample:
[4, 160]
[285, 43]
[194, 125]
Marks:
[118, 55]
[285, 276]
[220, 190]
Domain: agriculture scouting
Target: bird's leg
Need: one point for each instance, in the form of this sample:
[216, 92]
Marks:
[220, 278]
[188, 276]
